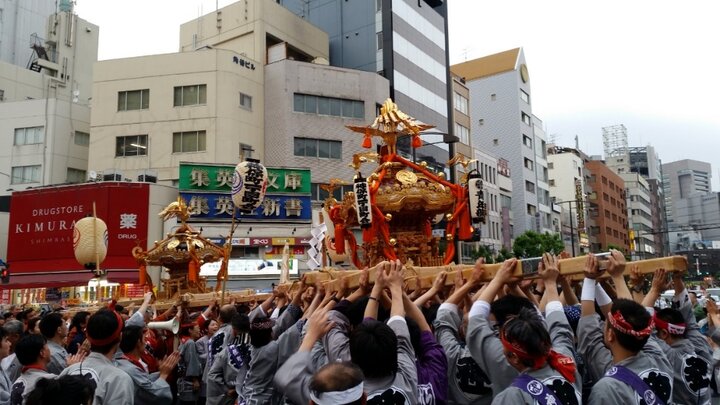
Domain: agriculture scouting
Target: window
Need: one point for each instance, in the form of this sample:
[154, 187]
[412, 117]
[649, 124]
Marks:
[29, 136]
[320, 148]
[75, 175]
[378, 6]
[461, 103]
[481, 121]
[527, 141]
[529, 164]
[462, 133]
[318, 194]
[493, 97]
[134, 100]
[552, 183]
[245, 101]
[135, 145]
[551, 165]
[530, 187]
[338, 107]
[524, 96]
[525, 118]
[190, 95]
[25, 174]
[82, 138]
[191, 141]
[531, 209]
[379, 37]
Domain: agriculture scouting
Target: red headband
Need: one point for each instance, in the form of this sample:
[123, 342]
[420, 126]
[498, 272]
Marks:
[110, 339]
[618, 322]
[563, 364]
[671, 328]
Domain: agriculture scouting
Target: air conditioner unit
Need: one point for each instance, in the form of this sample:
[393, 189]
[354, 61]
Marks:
[111, 175]
[147, 178]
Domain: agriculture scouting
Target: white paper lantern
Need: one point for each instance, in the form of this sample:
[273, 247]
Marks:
[476, 203]
[362, 202]
[90, 240]
[249, 185]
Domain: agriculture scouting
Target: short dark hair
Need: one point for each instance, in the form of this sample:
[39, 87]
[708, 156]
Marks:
[102, 325]
[227, 312]
[31, 323]
[373, 347]
[68, 389]
[673, 316]
[240, 322]
[28, 348]
[529, 332]
[131, 334]
[260, 333]
[79, 319]
[22, 315]
[636, 315]
[334, 377]
[50, 323]
[508, 306]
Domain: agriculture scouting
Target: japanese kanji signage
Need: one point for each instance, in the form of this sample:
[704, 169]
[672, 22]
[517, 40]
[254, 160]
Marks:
[216, 206]
[207, 192]
[219, 178]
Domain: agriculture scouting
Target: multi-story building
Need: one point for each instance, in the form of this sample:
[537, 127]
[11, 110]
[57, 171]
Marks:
[645, 161]
[680, 180]
[568, 190]
[45, 112]
[307, 107]
[403, 40]
[697, 213]
[259, 86]
[639, 167]
[490, 233]
[607, 216]
[23, 25]
[504, 126]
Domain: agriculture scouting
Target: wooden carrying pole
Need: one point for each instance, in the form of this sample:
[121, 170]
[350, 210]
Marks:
[423, 277]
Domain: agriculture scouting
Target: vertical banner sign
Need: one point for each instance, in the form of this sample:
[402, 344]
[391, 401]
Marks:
[362, 202]
[475, 194]
[579, 205]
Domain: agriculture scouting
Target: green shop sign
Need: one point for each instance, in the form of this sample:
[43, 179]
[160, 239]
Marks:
[218, 177]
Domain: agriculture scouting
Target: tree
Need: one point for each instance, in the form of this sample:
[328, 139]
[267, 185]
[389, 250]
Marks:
[503, 255]
[534, 244]
[483, 251]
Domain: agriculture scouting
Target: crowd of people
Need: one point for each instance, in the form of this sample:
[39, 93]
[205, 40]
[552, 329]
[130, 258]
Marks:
[550, 340]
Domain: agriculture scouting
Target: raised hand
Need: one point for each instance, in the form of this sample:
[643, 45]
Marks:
[505, 274]
[478, 271]
[395, 277]
[168, 365]
[364, 282]
[616, 263]
[548, 268]
[76, 358]
[592, 270]
[439, 281]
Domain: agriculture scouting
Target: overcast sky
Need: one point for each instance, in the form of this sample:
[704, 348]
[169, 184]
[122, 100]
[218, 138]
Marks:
[650, 65]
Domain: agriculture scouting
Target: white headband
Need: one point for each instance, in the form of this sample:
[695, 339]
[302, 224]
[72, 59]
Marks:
[338, 397]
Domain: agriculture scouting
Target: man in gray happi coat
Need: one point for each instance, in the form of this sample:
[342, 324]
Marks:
[113, 386]
[621, 344]
[149, 388]
[54, 328]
